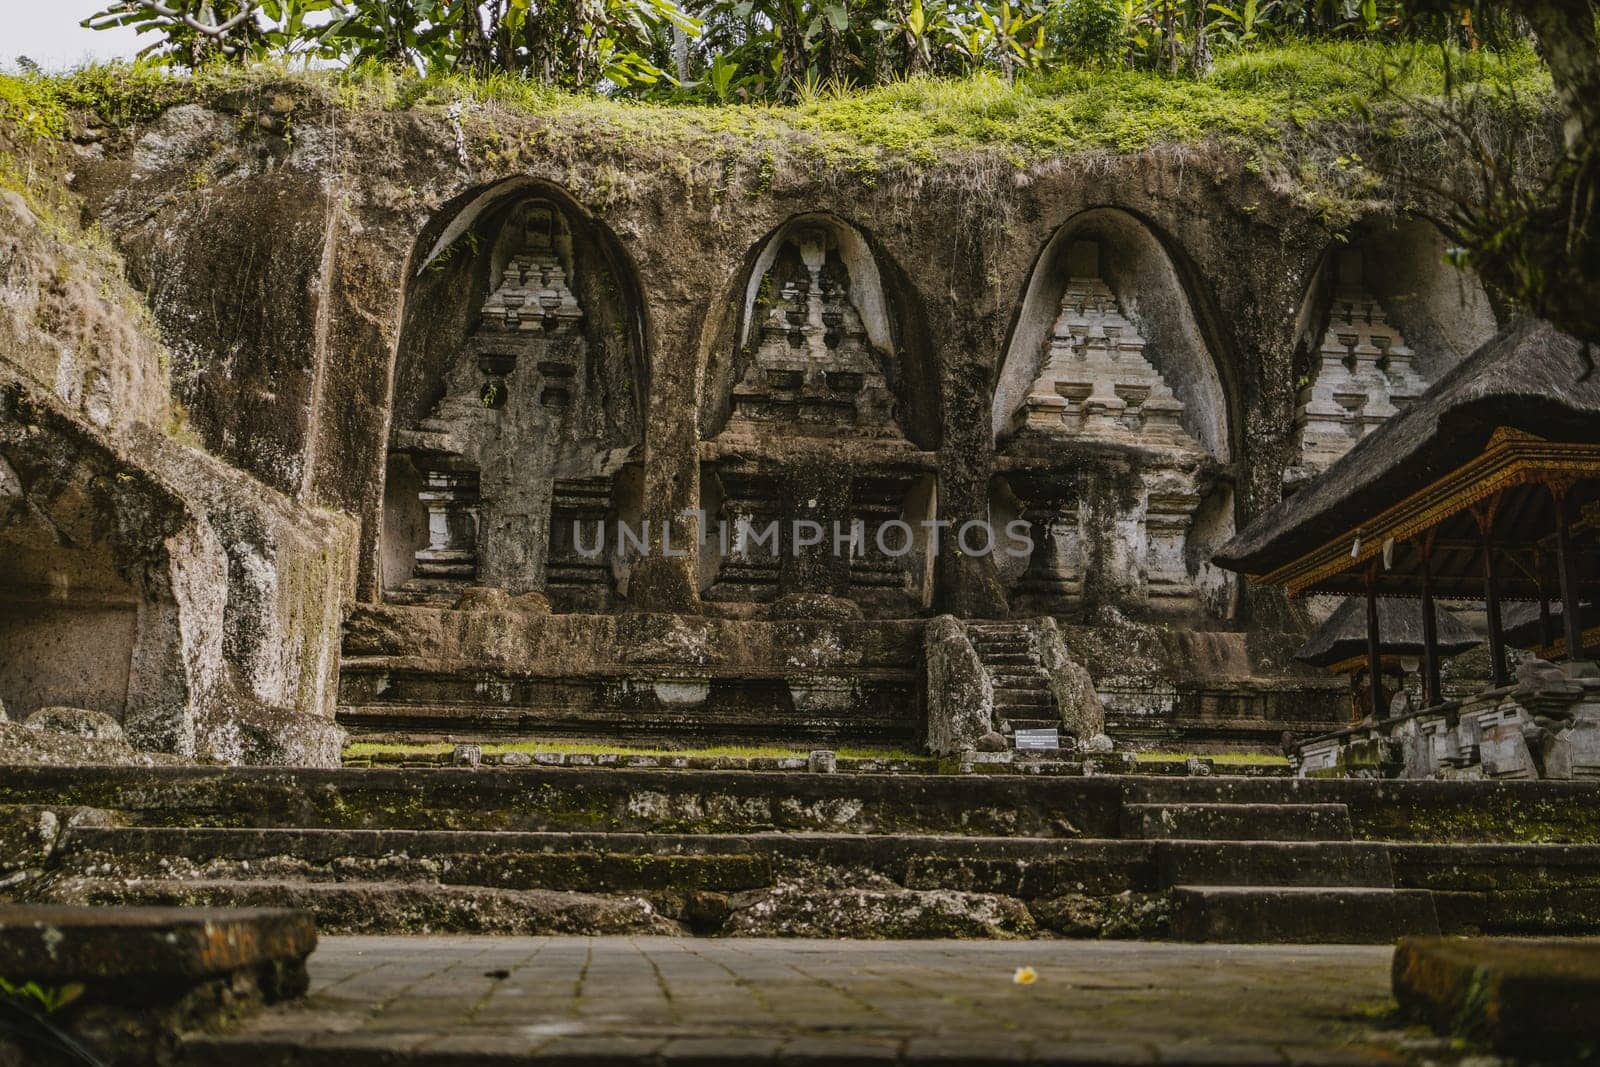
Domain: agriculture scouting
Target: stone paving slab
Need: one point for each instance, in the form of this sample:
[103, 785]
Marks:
[645, 1000]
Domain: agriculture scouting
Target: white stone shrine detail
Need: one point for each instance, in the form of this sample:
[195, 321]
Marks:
[1363, 375]
[1097, 386]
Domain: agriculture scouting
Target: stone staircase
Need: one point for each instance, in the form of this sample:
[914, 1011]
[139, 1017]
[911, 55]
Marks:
[1009, 651]
[1248, 872]
[690, 852]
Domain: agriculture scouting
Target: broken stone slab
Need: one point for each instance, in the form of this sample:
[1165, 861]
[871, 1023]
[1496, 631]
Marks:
[1521, 997]
[48, 943]
[147, 975]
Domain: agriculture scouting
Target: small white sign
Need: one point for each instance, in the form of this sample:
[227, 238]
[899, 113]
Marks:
[1037, 740]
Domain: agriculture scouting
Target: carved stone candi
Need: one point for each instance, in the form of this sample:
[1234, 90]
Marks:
[519, 463]
[1363, 374]
[1102, 466]
[813, 435]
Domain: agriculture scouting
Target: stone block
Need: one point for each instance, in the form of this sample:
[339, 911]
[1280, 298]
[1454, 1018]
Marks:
[1582, 740]
[1534, 998]
[960, 692]
[1300, 914]
[64, 944]
[1504, 752]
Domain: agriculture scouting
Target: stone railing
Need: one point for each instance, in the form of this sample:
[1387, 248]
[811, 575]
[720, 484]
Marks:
[1547, 725]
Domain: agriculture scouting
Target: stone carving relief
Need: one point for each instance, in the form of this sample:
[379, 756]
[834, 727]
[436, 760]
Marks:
[1363, 374]
[813, 434]
[1100, 462]
[528, 438]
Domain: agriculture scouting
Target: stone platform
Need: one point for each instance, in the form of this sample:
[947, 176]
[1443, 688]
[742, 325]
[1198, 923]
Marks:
[1519, 996]
[625, 1001]
[430, 673]
[128, 980]
[670, 851]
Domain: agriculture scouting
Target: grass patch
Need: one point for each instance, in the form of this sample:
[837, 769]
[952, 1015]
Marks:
[1220, 759]
[1250, 96]
[394, 750]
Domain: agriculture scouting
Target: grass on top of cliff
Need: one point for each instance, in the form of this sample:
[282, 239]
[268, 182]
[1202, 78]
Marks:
[1250, 95]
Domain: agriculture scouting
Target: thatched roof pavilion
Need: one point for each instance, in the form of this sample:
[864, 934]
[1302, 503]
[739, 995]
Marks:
[1340, 643]
[1487, 487]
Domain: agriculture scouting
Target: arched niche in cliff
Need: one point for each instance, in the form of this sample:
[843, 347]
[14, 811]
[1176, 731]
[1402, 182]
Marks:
[102, 570]
[519, 404]
[819, 403]
[1112, 425]
[1383, 318]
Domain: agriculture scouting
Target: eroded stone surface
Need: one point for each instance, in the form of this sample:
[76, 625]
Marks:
[76, 722]
[960, 691]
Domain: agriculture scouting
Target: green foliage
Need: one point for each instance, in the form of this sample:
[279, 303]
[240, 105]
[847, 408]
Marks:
[392, 752]
[48, 999]
[1252, 96]
[1090, 33]
[745, 51]
[31, 104]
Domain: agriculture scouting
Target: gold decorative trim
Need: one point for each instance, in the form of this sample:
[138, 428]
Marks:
[1511, 458]
[1557, 649]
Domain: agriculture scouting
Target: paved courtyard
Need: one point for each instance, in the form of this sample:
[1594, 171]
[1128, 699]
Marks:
[594, 1000]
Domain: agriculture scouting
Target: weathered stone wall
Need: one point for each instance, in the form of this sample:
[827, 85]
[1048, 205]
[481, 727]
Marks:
[139, 575]
[352, 198]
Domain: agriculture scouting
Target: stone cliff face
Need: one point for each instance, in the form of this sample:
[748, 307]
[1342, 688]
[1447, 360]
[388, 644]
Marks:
[139, 575]
[278, 239]
[319, 274]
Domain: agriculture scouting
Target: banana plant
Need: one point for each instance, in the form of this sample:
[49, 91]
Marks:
[193, 32]
[1237, 27]
[1014, 36]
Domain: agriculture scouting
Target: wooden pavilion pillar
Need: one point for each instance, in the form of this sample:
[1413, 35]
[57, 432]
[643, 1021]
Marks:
[1491, 595]
[1547, 629]
[1432, 688]
[1374, 658]
[1567, 568]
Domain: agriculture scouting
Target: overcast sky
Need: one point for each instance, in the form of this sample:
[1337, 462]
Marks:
[47, 32]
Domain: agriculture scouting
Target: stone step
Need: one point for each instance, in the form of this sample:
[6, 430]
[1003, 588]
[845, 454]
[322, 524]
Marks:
[994, 659]
[999, 629]
[665, 800]
[1237, 822]
[1274, 863]
[888, 724]
[588, 799]
[606, 863]
[1032, 724]
[988, 649]
[1022, 698]
[1345, 915]
[1006, 676]
[392, 907]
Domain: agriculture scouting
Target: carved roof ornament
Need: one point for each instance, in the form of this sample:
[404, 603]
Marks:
[533, 295]
[1096, 380]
